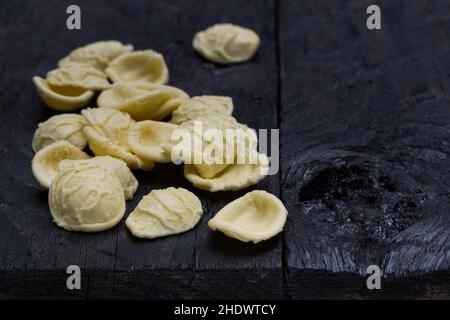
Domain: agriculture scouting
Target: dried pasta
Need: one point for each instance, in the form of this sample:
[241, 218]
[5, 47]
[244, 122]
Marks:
[226, 43]
[255, 217]
[165, 212]
[86, 198]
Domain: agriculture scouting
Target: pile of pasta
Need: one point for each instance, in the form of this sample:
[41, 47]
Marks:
[127, 131]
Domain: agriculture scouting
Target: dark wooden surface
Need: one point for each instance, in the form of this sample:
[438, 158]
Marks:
[365, 130]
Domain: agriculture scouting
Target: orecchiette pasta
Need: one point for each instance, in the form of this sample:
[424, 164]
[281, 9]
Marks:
[165, 212]
[210, 148]
[148, 66]
[142, 100]
[67, 127]
[200, 145]
[199, 106]
[45, 164]
[107, 135]
[86, 198]
[116, 166]
[233, 177]
[62, 98]
[126, 132]
[97, 54]
[146, 137]
[226, 43]
[255, 217]
[78, 75]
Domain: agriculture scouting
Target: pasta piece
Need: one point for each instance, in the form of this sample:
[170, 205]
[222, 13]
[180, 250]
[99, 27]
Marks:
[200, 145]
[86, 198]
[63, 99]
[148, 66]
[142, 100]
[45, 163]
[97, 54]
[67, 127]
[226, 43]
[196, 107]
[116, 166]
[145, 139]
[233, 177]
[255, 217]
[165, 212]
[78, 75]
[107, 135]
[206, 144]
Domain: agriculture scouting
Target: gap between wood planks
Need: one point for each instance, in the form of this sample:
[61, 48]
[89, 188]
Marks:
[278, 29]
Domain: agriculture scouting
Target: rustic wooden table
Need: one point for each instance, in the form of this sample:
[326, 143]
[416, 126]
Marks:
[364, 120]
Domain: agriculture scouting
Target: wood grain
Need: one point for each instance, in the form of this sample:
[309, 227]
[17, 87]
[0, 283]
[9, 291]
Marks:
[365, 131]
[200, 263]
[364, 118]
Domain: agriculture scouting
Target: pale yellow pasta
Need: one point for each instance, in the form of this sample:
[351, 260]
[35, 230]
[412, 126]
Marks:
[226, 43]
[142, 100]
[146, 137]
[107, 135]
[147, 65]
[199, 106]
[117, 166]
[257, 216]
[68, 127]
[45, 163]
[200, 146]
[86, 198]
[165, 212]
[97, 54]
[233, 177]
[78, 75]
[125, 132]
[210, 148]
[62, 98]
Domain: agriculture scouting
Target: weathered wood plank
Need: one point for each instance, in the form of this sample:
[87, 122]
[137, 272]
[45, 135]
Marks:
[240, 270]
[364, 122]
[365, 130]
[34, 253]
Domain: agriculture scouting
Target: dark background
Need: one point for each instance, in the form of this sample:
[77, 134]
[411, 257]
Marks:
[365, 146]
